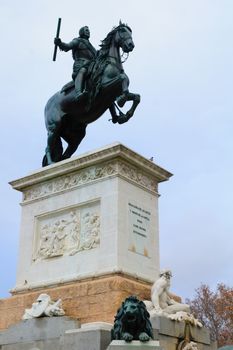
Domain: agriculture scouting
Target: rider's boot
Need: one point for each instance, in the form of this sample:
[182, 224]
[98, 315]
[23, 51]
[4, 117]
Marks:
[79, 94]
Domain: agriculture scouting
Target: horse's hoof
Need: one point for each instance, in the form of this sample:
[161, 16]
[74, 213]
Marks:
[129, 115]
[122, 120]
[115, 119]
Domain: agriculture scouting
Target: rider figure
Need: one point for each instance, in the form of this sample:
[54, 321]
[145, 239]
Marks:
[83, 52]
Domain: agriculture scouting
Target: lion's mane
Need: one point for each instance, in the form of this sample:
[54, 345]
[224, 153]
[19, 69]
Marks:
[140, 324]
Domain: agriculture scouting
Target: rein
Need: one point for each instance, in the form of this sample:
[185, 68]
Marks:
[124, 58]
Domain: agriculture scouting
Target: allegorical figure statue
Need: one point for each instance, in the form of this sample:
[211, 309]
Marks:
[82, 52]
[163, 304]
[160, 296]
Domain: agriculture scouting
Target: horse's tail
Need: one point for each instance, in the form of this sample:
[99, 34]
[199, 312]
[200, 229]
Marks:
[52, 118]
[44, 161]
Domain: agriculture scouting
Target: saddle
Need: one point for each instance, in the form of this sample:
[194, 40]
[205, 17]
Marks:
[95, 69]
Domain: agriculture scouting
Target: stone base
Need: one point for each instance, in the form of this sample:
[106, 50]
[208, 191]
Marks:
[62, 333]
[89, 216]
[37, 330]
[163, 325]
[86, 339]
[89, 300]
[135, 344]
[171, 333]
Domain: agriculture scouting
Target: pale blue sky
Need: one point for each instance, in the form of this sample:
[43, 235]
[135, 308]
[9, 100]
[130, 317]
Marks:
[182, 66]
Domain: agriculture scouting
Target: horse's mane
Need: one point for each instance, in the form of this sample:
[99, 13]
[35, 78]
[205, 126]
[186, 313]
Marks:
[96, 68]
[106, 43]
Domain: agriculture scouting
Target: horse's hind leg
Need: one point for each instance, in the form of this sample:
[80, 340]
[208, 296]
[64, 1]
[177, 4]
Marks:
[74, 141]
[53, 151]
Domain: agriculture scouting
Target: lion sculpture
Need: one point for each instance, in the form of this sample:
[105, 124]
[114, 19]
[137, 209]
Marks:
[132, 321]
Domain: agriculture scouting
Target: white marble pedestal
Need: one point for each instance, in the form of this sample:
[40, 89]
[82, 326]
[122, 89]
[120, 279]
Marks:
[90, 216]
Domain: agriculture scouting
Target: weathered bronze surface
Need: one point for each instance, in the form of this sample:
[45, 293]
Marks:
[132, 321]
[83, 52]
[99, 83]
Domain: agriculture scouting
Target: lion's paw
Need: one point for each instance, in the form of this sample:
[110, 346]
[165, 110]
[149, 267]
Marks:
[127, 337]
[144, 337]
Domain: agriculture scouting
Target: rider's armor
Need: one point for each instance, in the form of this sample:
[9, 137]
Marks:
[83, 52]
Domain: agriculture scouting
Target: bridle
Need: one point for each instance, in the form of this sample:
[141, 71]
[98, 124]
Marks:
[122, 38]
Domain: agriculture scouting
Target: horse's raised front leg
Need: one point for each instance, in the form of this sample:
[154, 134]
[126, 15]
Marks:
[125, 84]
[115, 117]
[136, 98]
[128, 97]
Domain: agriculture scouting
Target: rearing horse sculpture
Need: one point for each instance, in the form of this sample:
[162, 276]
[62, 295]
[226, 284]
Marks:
[67, 118]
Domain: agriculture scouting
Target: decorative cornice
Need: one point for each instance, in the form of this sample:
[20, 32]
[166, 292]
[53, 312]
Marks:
[139, 177]
[91, 174]
[70, 181]
[108, 161]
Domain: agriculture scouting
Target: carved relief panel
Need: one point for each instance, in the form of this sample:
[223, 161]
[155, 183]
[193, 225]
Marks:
[67, 232]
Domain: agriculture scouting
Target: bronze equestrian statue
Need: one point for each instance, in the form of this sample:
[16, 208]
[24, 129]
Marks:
[99, 83]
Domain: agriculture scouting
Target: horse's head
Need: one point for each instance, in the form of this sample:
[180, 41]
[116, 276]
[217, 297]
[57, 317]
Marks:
[120, 36]
[123, 38]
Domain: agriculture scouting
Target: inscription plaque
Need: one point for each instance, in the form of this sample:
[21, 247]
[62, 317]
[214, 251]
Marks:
[139, 229]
